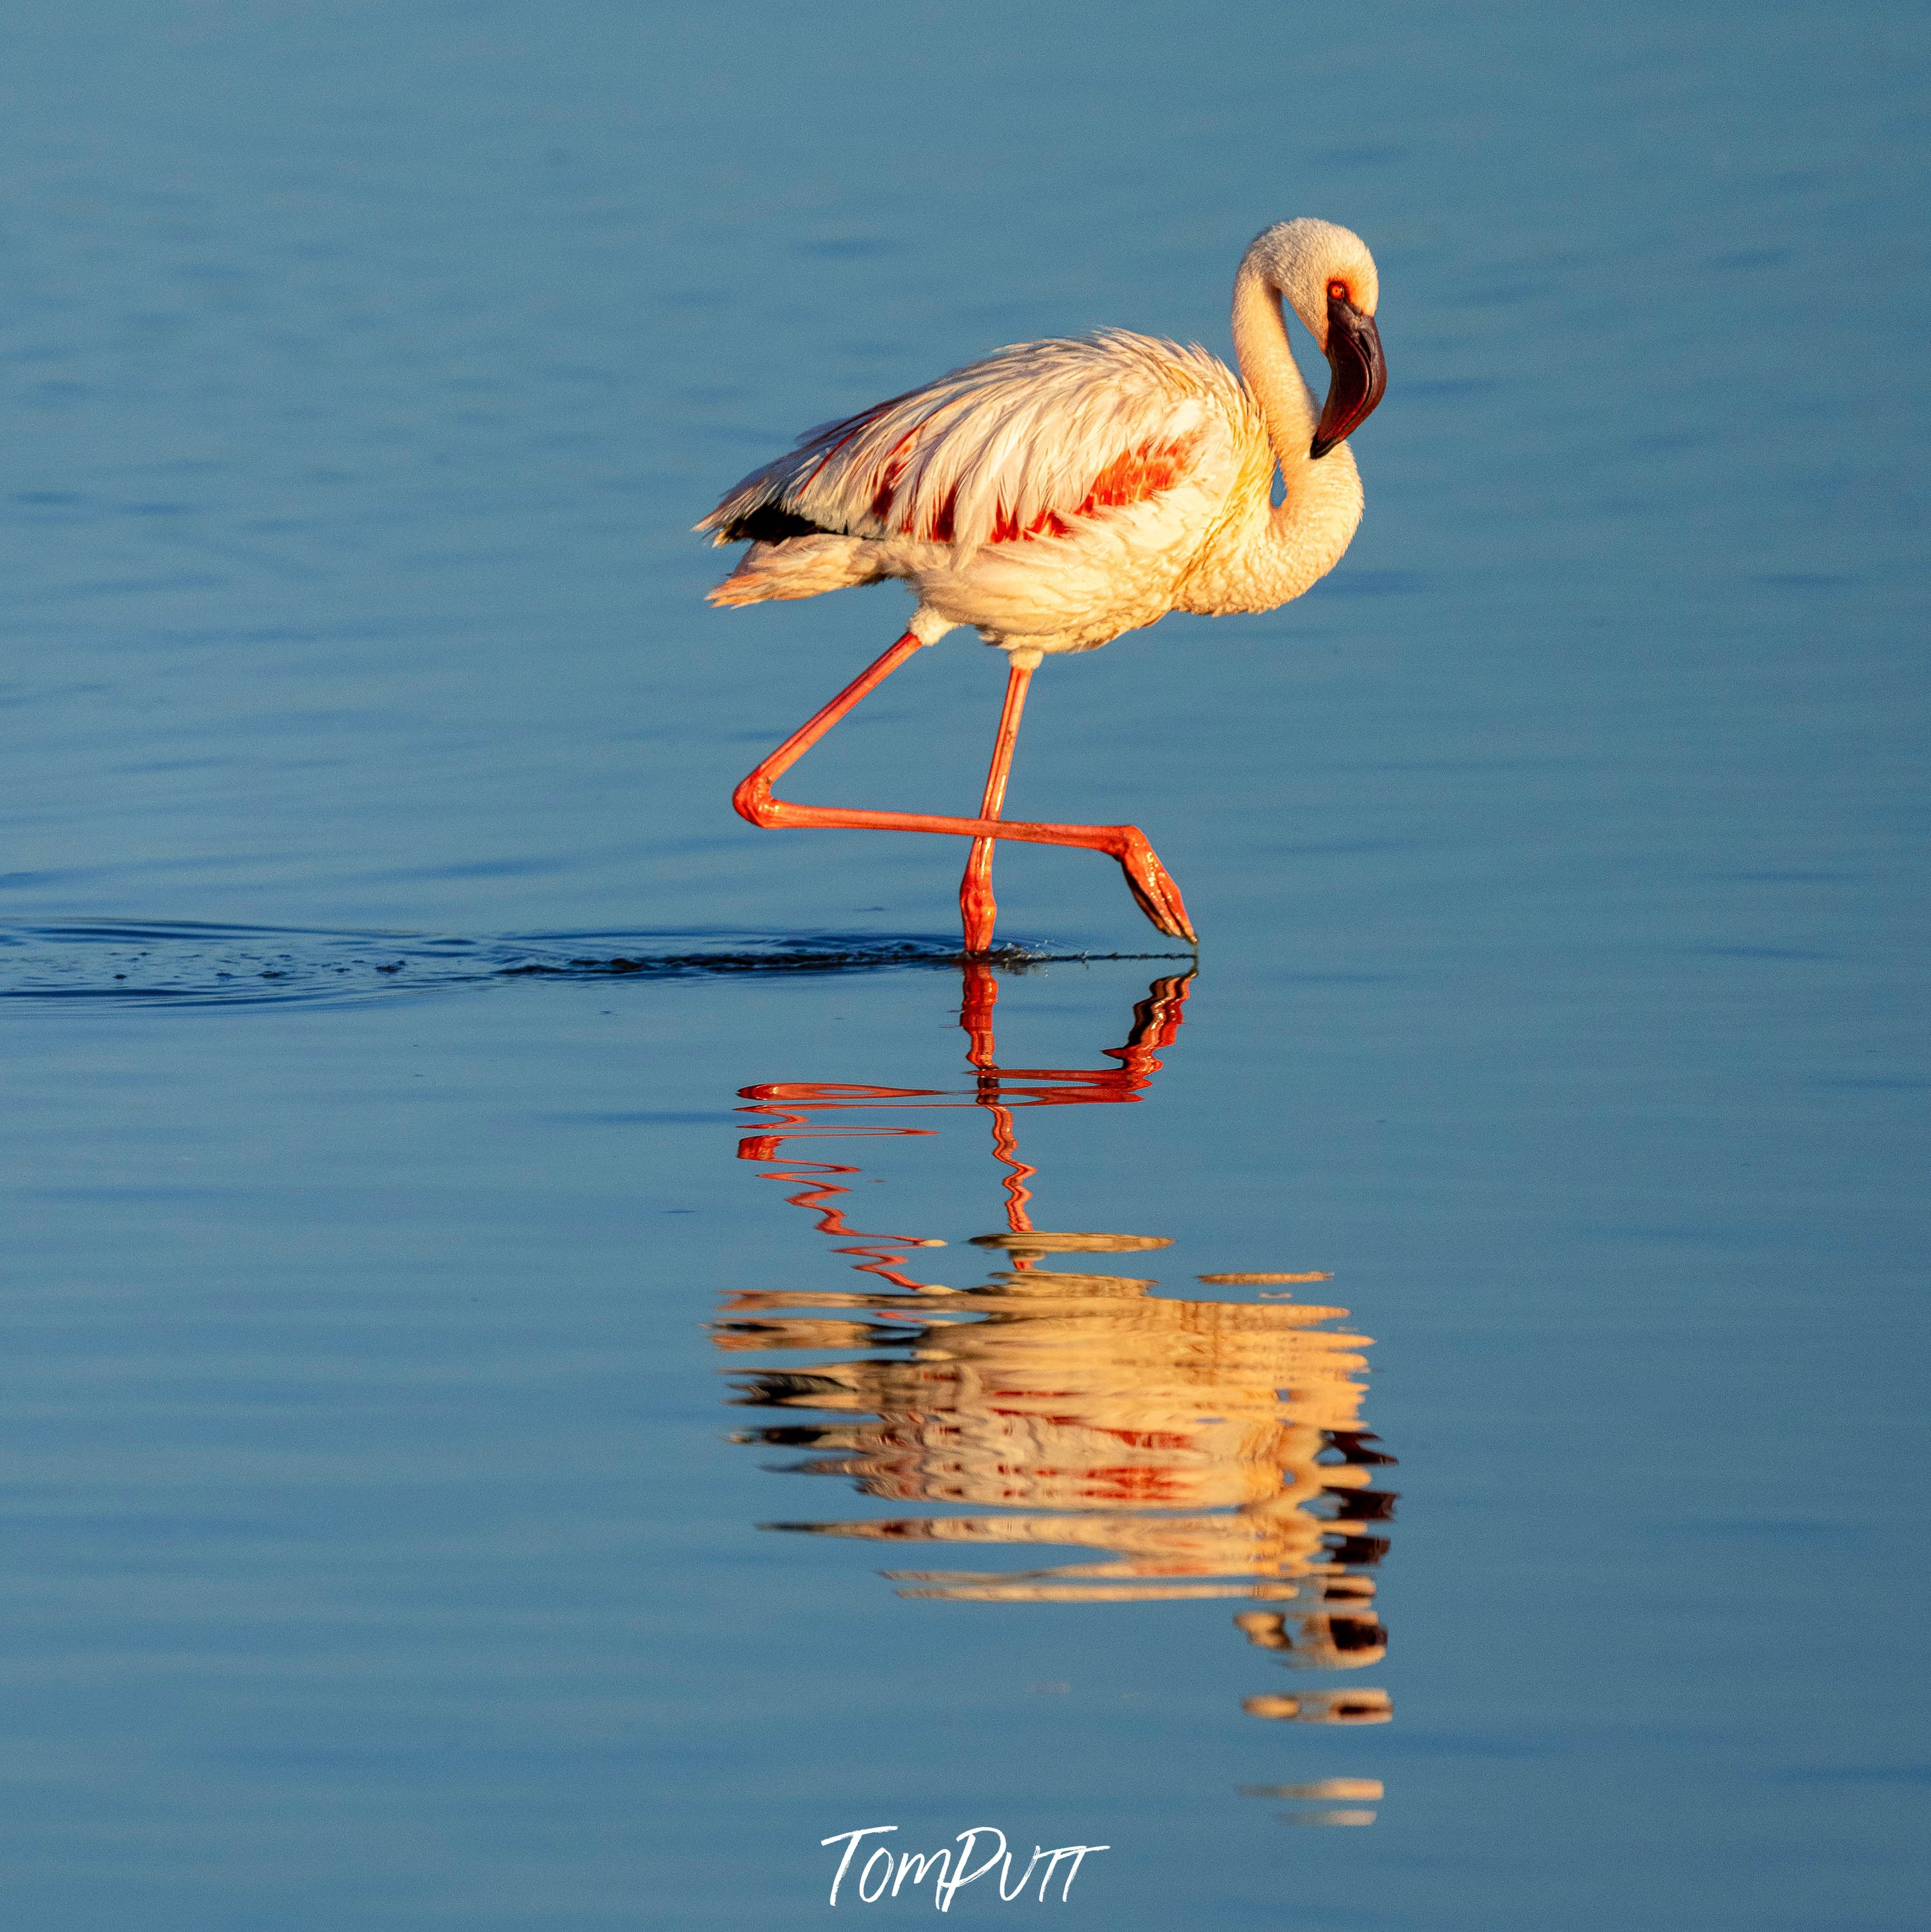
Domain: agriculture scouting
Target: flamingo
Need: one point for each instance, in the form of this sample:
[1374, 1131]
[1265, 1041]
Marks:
[1057, 494]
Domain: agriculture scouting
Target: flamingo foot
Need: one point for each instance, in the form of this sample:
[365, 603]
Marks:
[978, 909]
[1151, 885]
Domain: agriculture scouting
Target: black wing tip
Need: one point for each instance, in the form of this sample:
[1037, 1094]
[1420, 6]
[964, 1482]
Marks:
[770, 523]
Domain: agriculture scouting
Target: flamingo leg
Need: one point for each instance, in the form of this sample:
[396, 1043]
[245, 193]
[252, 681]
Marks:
[978, 909]
[1159, 898]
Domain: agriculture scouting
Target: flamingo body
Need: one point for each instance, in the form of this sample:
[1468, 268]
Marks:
[1051, 496]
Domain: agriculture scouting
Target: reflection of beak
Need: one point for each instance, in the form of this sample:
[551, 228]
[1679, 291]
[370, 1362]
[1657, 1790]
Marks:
[1359, 374]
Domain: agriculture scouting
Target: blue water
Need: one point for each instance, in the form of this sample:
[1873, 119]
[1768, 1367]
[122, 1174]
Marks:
[449, 1418]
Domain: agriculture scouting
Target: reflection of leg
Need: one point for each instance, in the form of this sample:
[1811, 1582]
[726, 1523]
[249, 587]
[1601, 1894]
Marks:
[981, 995]
[1006, 1151]
[884, 1261]
[1159, 897]
[977, 908]
[1156, 1020]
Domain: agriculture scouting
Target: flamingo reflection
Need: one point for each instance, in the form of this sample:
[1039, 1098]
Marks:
[1209, 1447]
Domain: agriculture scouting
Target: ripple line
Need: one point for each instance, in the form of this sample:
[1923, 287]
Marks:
[196, 964]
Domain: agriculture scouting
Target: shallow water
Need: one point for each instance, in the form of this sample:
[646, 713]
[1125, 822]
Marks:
[474, 1319]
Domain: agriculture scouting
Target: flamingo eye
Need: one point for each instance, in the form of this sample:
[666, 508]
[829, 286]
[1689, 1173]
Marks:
[1339, 290]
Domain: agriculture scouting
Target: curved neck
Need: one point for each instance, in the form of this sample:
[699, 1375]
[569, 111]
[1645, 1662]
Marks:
[1267, 365]
[1263, 555]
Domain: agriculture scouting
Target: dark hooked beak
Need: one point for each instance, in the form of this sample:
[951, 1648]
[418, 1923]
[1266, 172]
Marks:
[1358, 373]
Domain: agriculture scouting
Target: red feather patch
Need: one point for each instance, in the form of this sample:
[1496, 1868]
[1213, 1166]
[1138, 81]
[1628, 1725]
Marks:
[1131, 477]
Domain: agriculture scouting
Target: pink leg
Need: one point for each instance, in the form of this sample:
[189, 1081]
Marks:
[977, 907]
[1159, 898]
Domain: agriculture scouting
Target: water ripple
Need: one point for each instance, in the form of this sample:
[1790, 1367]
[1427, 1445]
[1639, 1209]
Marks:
[198, 963]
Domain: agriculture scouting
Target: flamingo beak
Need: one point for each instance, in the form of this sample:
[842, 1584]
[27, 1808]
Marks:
[1359, 374]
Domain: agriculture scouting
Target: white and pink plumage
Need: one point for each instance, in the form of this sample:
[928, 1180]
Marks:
[1059, 492]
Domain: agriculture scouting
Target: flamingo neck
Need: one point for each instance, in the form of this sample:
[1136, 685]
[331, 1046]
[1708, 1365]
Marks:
[1273, 553]
[1267, 365]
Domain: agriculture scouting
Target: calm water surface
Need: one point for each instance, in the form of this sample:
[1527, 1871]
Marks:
[558, 1352]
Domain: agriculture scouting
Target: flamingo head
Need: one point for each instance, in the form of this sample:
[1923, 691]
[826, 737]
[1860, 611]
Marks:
[1326, 275]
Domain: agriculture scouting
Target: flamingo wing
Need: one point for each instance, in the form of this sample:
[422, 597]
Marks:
[1021, 445]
